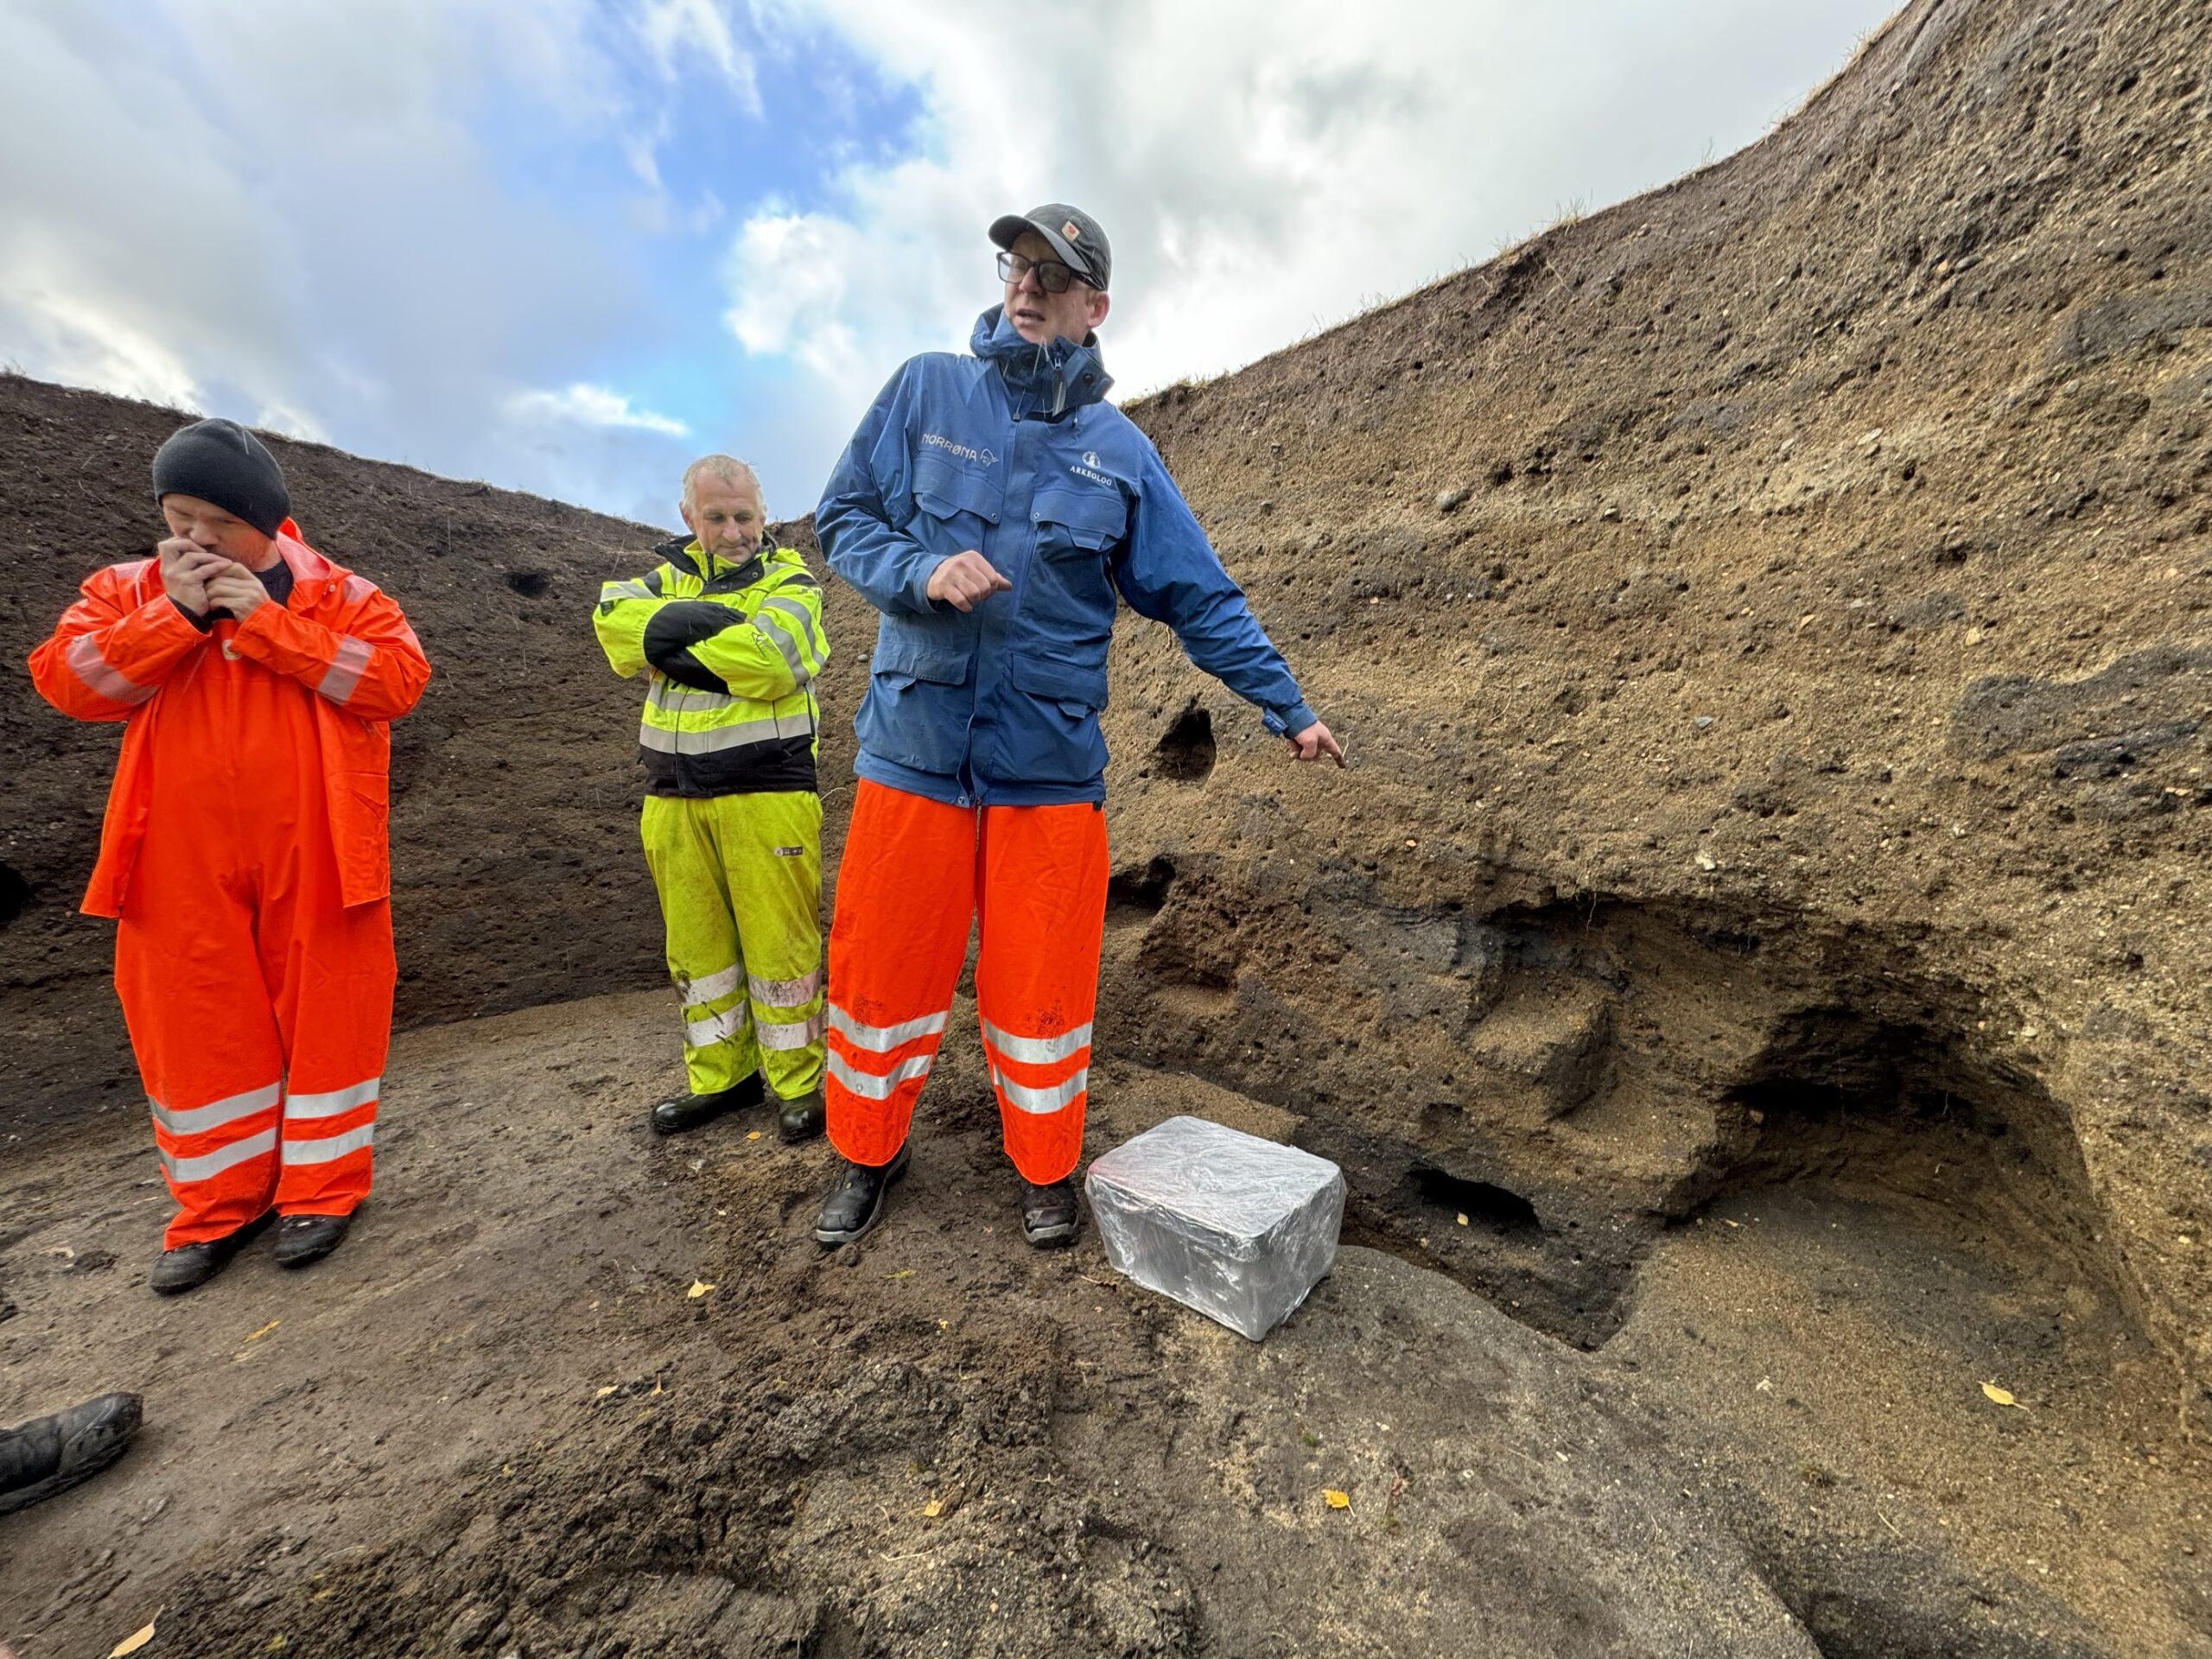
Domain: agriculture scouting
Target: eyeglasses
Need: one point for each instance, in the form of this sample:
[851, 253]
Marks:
[1051, 275]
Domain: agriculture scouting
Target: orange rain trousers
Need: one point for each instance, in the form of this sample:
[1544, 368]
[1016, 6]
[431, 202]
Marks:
[259, 1000]
[916, 875]
[259, 1006]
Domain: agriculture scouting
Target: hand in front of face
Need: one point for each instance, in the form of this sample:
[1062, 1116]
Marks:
[966, 580]
[185, 567]
[1315, 741]
[236, 589]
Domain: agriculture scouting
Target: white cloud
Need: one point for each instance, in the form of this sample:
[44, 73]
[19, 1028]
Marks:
[1263, 167]
[589, 405]
[676, 30]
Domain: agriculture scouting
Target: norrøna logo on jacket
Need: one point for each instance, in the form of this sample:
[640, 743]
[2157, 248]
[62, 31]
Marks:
[999, 704]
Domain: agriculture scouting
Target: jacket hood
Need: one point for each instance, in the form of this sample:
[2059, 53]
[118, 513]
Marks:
[1053, 378]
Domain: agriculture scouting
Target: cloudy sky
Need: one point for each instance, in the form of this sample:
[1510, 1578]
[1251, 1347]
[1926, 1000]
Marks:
[564, 244]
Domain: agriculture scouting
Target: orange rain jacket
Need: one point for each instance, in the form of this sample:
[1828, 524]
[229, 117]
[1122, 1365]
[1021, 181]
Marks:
[336, 634]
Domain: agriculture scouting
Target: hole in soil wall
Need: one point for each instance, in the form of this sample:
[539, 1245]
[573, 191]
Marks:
[1140, 890]
[1186, 753]
[14, 894]
[1497, 1208]
[531, 584]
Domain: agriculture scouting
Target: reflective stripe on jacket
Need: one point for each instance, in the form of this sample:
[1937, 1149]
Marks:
[1013, 453]
[731, 652]
[336, 634]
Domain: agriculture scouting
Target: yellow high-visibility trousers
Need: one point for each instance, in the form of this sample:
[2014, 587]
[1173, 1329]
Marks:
[739, 878]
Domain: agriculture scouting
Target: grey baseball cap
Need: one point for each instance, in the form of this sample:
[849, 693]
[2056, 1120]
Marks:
[1074, 236]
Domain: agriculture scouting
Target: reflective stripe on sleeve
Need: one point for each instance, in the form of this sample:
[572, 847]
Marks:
[323, 1149]
[333, 1101]
[786, 993]
[611, 591]
[214, 1163]
[1039, 1050]
[1042, 1100]
[880, 1038]
[198, 1120]
[784, 642]
[867, 1085]
[799, 1033]
[708, 988]
[345, 669]
[85, 660]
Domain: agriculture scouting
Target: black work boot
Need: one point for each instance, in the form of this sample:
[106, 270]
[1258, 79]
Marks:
[1048, 1213]
[800, 1119]
[856, 1204]
[302, 1239]
[190, 1266]
[674, 1116]
[49, 1454]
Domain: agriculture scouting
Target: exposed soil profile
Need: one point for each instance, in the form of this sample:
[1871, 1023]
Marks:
[1751, 975]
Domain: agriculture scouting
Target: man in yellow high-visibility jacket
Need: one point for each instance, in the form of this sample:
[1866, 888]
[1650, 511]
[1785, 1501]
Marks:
[729, 630]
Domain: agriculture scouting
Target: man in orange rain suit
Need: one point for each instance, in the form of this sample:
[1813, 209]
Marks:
[995, 509]
[244, 851]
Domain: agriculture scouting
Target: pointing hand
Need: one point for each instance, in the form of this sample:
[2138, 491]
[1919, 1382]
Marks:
[1315, 741]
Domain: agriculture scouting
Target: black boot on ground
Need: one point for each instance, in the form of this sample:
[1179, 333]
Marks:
[856, 1204]
[1048, 1213]
[190, 1266]
[49, 1454]
[800, 1119]
[689, 1112]
[302, 1239]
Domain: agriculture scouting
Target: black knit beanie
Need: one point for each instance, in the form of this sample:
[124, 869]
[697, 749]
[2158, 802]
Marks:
[221, 462]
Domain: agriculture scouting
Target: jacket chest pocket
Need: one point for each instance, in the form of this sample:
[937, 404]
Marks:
[965, 501]
[1078, 524]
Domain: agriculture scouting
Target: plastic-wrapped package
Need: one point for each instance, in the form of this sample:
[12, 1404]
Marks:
[1238, 1228]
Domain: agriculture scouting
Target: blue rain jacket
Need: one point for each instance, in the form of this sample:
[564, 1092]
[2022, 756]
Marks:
[1014, 452]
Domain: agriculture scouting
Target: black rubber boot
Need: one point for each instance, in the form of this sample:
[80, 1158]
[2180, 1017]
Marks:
[50, 1454]
[800, 1119]
[674, 1116]
[302, 1239]
[190, 1266]
[856, 1204]
[1048, 1213]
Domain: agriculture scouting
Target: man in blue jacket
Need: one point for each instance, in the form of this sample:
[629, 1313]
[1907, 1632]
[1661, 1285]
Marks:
[992, 507]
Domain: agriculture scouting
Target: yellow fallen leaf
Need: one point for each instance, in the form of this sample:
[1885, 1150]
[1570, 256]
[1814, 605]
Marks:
[1335, 1499]
[278, 1642]
[2002, 1396]
[753, 1134]
[601, 1394]
[934, 1507]
[134, 1640]
[264, 1330]
[699, 1287]
[1462, 1220]
[903, 1272]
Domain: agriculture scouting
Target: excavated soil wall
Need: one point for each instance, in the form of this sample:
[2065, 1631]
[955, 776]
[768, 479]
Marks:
[1770, 622]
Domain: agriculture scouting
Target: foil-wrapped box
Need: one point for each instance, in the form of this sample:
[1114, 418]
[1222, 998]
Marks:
[1237, 1228]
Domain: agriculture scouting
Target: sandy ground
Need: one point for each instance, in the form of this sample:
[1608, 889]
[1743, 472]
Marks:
[499, 1420]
